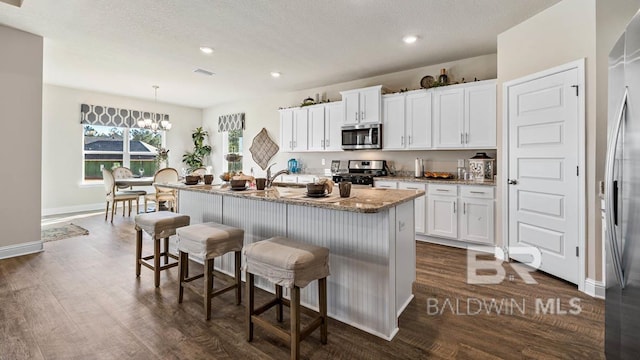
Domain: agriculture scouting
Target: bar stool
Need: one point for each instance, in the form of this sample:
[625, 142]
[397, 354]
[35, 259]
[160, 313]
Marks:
[159, 225]
[293, 265]
[208, 241]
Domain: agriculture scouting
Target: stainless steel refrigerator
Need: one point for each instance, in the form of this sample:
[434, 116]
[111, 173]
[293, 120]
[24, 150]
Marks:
[622, 198]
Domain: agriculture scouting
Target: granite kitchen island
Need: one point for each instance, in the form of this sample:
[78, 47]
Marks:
[370, 235]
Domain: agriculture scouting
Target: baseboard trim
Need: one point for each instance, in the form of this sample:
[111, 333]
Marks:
[594, 288]
[73, 209]
[21, 249]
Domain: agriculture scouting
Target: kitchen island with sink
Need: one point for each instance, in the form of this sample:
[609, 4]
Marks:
[370, 236]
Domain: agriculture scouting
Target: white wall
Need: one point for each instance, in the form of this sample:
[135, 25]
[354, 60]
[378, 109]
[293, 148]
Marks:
[62, 188]
[262, 112]
[563, 33]
[20, 149]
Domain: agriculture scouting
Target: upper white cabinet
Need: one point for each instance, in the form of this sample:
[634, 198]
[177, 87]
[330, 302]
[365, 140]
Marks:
[325, 127]
[362, 105]
[407, 121]
[293, 128]
[464, 116]
[316, 127]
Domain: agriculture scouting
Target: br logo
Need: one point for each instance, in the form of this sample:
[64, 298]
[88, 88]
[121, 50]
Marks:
[491, 271]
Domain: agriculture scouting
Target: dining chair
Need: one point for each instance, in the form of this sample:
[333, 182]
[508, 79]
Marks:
[126, 173]
[166, 175]
[114, 197]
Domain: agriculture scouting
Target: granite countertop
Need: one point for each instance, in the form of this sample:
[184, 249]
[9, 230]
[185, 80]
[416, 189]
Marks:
[369, 200]
[437, 181]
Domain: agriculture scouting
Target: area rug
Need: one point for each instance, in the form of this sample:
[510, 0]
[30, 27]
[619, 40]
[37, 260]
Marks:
[61, 231]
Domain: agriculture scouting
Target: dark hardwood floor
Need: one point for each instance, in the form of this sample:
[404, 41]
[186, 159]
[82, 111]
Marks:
[80, 299]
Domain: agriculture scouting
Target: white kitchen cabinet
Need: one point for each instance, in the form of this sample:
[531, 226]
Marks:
[407, 121]
[480, 116]
[420, 204]
[362, 105]
[316, 127]
[385, 184]
[393, 119]
[442, 211]
[325, 127]
[293, 129]
[286, 129]
[477, 217]
[418, 120]
[464, 116]
[334, 118]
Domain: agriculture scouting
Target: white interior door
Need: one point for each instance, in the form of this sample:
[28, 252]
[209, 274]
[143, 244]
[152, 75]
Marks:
[543, 157]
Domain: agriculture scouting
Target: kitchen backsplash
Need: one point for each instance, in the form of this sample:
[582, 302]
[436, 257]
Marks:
[400, 161]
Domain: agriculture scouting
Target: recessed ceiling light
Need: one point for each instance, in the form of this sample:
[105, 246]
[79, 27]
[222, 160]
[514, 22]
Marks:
[410, 39]
[206, 49]
[275, 74]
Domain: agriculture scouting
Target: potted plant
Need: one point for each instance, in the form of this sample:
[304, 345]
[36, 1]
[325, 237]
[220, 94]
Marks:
[195, 159]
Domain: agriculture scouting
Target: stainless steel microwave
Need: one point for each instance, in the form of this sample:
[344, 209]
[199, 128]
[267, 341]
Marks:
[365, 136]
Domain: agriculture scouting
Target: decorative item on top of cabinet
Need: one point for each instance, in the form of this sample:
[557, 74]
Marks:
[443, 78]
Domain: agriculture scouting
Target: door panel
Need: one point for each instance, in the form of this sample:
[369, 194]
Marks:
[449, 118]
[394, 125]
[418, 122]
[543, 160]
[442, 215]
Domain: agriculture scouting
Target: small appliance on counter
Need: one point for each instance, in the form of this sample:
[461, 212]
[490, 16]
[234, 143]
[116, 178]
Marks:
[362, 172]
[419, 168]
[482, 167]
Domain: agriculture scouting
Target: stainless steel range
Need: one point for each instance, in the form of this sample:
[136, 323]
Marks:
[362, 172]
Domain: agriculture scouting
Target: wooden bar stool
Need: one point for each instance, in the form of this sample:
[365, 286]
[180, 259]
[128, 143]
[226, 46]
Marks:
[208, 241]
[159, 225]
[294, 265]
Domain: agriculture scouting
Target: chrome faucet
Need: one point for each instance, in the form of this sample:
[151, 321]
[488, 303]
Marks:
[270, 178]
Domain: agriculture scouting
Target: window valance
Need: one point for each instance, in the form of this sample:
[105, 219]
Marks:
[231, 122]
[109, 116]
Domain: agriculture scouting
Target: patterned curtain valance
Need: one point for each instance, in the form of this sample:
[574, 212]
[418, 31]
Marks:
[109, 116]
[231, 122]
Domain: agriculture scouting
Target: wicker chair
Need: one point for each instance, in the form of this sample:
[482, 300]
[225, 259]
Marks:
[114, 197]
[166, 175]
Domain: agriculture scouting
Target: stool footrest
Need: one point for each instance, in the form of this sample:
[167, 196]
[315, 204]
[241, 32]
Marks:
[149, 265]
[266, 306]
[282, 334]
[149, 257]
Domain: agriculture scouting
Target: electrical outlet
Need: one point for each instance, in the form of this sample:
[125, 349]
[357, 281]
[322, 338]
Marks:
[323, 162]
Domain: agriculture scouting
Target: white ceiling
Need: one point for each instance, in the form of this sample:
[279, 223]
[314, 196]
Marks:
[125, 46]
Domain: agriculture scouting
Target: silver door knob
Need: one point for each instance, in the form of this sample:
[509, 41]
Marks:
[512, 182]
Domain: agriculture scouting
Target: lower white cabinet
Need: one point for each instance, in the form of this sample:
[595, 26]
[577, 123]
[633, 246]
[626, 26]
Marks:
[467, 214]
[477, 217]
[442, 209]
[419, 203]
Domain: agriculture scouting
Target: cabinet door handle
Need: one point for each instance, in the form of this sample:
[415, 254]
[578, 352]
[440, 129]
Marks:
[402, 140]
[356, 116]
[322, 143]
[410, 141]
[290, 144]
[327, 143]
[477, 192]
[461, 138]
[464, 208]
[442, 190]
[466, 136]
[454, 207]
[362, 115]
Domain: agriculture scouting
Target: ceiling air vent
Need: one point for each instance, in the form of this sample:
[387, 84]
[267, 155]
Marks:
[203, 72]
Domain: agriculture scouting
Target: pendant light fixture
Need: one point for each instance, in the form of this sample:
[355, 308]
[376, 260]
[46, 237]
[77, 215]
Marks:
[154, 124]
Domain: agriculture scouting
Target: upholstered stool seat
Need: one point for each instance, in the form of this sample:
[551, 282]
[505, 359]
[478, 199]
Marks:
[159, 225]
[294, 265]
[208, 241]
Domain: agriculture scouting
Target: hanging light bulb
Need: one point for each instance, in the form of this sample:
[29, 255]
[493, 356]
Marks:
[153, 123]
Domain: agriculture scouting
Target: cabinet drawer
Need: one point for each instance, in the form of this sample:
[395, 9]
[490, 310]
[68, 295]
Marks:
[304, 179]
[444, 190]
[483, 192]
[386, 184]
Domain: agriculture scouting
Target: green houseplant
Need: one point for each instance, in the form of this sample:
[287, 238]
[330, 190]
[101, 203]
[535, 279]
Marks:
[195, 159]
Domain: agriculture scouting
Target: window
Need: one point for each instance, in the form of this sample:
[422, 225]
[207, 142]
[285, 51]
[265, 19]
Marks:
[111, 147]
[232, 143]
